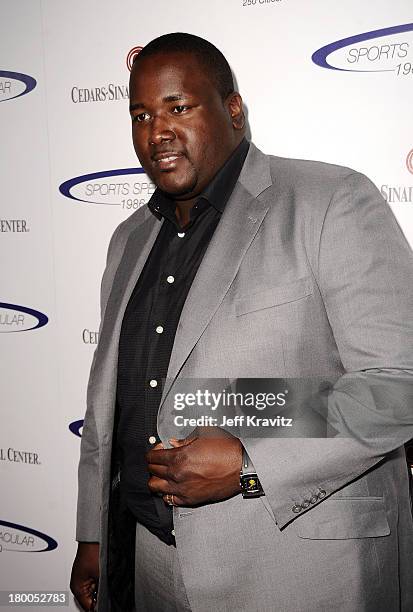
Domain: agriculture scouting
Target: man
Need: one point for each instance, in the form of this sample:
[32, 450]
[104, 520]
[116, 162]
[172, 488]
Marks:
[244, 266]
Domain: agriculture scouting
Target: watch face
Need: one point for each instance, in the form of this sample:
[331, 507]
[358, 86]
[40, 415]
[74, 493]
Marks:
[250, 484]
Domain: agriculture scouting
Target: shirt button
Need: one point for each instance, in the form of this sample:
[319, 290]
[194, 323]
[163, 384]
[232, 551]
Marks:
[173, 532]
[170, 279]
[152, 439]
[153, 383]
[181, 234]
[159, 329]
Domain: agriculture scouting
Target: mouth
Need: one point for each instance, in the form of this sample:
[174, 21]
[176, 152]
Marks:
[166, 160]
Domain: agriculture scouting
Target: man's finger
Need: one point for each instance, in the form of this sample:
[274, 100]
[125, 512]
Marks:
[161, 471]
[85, 595]
[178, 443]
[158, 446]
[163, 456]
[160, 457]
[159, 485]
[177, 501]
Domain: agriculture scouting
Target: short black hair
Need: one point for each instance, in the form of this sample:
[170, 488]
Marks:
[207, 54]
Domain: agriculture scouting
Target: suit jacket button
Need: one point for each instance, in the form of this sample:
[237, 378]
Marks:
[321, 494]
[314, 499]
[305, 503]
[296, 508]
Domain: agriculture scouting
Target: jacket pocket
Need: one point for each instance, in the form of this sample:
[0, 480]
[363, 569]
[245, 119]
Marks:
[275, 296]
[344, 518]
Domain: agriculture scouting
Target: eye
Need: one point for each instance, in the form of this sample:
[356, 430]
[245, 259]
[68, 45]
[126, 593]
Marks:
[140, 117]
[181, 108]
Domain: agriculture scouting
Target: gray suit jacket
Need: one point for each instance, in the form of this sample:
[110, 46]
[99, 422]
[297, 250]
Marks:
[307, 274]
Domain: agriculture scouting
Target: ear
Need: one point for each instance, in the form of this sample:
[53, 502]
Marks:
[236, 110]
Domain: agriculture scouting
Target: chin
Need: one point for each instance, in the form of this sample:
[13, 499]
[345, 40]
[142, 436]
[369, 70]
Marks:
[175, 188]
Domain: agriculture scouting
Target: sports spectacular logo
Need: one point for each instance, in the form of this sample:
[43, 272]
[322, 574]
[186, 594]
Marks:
[384, 50]
[15, 84]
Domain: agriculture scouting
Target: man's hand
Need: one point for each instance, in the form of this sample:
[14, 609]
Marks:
[85, 574]
[200, 469]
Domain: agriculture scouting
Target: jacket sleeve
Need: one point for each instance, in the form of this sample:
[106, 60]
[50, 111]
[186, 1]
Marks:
[89, 493]
[365, 276]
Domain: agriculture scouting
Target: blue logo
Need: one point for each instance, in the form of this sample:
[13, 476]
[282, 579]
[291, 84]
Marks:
[126, 187]
[75, 427]
[18, 538]
[14, 84]
[14, 318]
[358, 54]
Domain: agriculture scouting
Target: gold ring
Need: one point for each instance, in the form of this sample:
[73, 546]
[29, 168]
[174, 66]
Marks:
[169, 498]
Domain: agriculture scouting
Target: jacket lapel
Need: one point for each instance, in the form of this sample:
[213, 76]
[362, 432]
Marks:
[137, 249]
[240, 222]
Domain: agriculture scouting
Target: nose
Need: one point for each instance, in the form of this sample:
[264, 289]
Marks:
[161, 131]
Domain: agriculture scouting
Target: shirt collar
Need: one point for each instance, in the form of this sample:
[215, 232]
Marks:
[216, 193]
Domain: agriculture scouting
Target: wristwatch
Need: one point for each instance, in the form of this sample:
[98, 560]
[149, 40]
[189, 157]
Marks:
[249, 481]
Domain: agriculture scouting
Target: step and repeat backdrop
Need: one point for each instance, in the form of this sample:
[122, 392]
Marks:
[323, 80]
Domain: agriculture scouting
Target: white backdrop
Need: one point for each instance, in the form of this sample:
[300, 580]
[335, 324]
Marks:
[69, 176]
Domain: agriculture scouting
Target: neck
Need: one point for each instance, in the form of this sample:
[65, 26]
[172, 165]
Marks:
[183, 211]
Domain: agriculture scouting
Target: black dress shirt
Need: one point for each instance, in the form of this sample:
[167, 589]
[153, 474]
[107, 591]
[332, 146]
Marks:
[148, 331]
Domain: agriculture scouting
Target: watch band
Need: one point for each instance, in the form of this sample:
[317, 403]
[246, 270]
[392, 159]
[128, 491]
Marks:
[249, 481]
